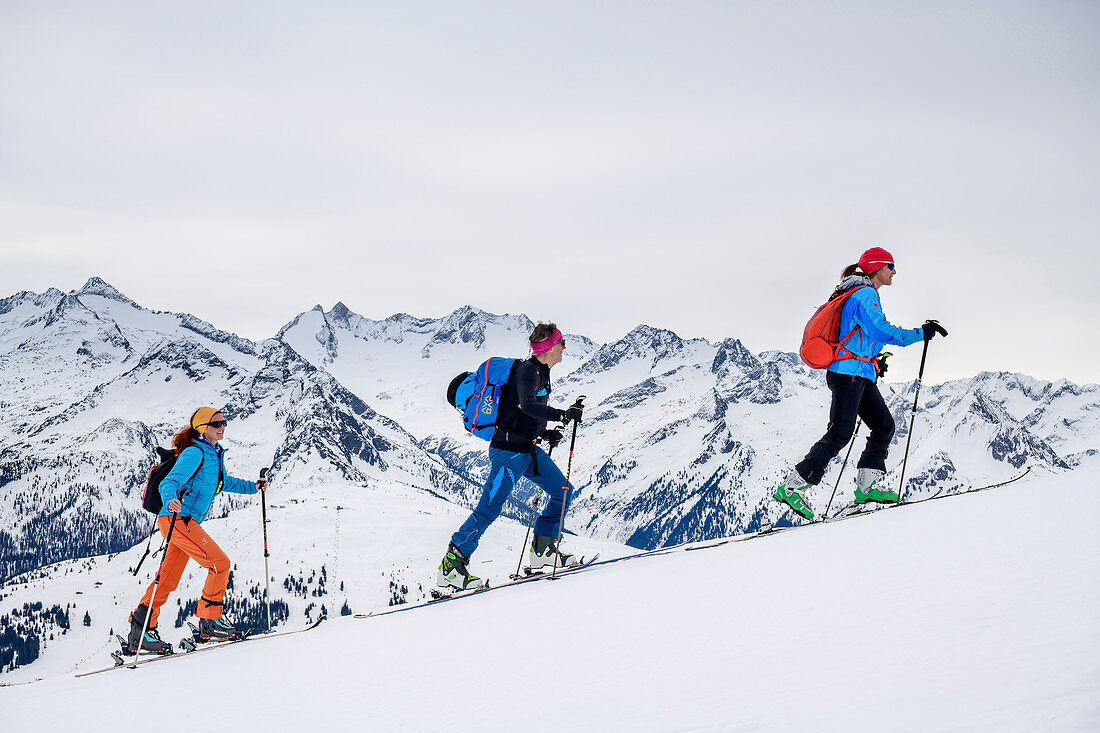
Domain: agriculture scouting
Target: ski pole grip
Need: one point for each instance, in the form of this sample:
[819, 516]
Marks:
[263, 472]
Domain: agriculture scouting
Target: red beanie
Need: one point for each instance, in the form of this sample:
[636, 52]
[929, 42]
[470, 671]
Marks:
[875, 259]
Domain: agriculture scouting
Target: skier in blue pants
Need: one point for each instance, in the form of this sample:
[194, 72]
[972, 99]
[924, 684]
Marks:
[513, 454]
[507, 468]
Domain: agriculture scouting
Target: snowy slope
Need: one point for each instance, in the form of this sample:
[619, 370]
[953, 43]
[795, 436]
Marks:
[960, 614]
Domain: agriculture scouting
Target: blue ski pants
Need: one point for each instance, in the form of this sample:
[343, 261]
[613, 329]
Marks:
[506, 468]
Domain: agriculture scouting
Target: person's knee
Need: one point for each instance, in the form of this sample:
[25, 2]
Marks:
[839, 437]
[884, 431]
[487, 515]
[219, 563]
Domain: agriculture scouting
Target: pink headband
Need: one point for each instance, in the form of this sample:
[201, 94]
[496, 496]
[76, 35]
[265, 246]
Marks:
[541, 347]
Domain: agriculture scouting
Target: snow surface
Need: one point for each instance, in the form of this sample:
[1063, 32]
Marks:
[971, 613]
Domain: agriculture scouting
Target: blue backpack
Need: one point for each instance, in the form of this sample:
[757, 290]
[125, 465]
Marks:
[476, 395]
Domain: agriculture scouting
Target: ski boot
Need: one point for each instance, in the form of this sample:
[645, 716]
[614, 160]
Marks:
[867, 487]
[792, 492]
[211, 629]
[544, 552]
[453, 572]
[151, 642]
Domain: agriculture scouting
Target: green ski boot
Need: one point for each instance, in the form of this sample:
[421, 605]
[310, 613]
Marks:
[792, 492]
[544, 553]
[867, 488]
[453, 572]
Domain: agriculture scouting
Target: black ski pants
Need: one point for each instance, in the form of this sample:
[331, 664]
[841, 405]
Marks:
[852, 397]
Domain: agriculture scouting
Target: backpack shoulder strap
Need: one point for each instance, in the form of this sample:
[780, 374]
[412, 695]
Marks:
[512, 418]
[842, 351]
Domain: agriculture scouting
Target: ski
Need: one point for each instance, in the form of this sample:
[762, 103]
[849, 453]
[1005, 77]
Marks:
[439, 595]
[529, 573]
[445, 594]
[147, 657]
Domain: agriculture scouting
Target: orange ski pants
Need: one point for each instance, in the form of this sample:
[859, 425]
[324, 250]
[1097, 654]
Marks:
[189, 541]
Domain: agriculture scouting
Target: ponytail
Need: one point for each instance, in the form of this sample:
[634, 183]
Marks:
[852, 270]
[183, 439]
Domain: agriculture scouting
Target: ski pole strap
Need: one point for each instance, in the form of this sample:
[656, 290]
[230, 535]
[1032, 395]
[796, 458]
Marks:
[147, 546]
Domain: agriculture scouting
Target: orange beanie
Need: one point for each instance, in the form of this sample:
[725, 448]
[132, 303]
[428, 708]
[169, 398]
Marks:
[202, 416]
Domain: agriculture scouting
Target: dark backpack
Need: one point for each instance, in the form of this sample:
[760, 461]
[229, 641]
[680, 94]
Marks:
[150, 498]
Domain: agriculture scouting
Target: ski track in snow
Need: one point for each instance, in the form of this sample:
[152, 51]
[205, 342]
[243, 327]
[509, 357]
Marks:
[968, 614]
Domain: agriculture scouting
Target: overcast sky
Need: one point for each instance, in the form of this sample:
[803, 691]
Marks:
[703, 167]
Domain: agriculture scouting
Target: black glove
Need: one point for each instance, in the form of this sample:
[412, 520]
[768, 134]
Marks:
[552, 437]
[574, 412]
[931, 328]
[881, 365]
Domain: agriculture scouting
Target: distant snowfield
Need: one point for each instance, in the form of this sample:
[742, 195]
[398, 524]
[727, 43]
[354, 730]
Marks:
[973, 613]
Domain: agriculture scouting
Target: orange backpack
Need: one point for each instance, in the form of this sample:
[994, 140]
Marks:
[821, 342]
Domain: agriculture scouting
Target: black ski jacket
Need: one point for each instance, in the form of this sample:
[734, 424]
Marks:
[523, 407]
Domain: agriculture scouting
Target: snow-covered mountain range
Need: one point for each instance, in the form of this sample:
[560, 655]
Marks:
[682, 438]
[92, 382]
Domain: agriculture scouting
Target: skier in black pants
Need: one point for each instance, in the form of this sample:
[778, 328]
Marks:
[852, 379]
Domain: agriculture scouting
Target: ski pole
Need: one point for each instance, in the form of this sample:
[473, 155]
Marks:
[913, 419]
[530, 523]
[267, 573]
[842, 465]
[565, 493]
[156, 583]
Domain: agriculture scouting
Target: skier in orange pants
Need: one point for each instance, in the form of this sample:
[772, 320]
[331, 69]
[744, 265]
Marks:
[188, 492]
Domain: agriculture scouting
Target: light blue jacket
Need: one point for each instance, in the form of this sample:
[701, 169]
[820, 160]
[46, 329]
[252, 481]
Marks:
[863, 309]
[199, 491]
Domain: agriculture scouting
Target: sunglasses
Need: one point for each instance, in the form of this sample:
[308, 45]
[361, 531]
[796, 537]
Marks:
[217, 423]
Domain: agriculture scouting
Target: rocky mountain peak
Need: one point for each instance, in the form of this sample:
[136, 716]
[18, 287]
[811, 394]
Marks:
[99, 286]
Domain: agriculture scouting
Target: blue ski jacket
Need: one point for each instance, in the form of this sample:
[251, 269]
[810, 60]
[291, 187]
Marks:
[200, 484]
[863, 311]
